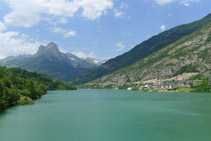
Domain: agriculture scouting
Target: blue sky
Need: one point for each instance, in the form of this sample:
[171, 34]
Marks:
[93, 28]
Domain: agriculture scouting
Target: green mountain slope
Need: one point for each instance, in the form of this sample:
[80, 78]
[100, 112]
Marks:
[190, 54]
[49, 60]
[18, 87]
[143, 50]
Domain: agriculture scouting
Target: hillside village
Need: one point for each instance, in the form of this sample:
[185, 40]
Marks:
[168, 85]
[172, 85]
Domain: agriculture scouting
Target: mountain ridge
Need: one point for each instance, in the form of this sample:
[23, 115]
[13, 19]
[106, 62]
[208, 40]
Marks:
[190, 54]
[143, 50]
[49, 60]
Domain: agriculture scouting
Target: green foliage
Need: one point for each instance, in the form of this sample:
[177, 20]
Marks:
[187, 69]
[133, 86]
[196, 77]
[25, 100]
[181, 89]
[204, 86]
[209, 38]
[22, 87]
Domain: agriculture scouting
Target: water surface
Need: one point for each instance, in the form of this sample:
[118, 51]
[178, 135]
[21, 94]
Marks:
[110, 115]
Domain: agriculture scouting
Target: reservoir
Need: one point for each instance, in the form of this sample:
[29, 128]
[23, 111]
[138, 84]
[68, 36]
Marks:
[110, 115]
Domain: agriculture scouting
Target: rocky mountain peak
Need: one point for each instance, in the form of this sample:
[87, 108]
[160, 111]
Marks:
[40, 50]
[49, 60]
[51, 48]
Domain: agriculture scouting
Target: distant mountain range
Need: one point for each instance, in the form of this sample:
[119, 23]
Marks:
[183, 49]
[49, 60]
[137, 63]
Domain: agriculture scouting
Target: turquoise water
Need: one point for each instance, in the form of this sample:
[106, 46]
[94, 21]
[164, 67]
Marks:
[110, 115]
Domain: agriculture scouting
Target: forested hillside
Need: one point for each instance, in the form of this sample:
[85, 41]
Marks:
[19, 87]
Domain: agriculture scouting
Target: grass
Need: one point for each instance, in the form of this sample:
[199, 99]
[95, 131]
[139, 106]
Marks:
[181, 89]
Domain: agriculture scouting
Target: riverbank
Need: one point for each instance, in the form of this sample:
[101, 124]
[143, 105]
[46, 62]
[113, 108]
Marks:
[20, 87]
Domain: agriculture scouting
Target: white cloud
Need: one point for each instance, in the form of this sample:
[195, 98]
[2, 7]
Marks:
[187, 2]
[14, 43]
[118, 13]
[22, 19]
[123, 5]
[183, 2]
[27, 13]
[2, 56]
[120, 46]
[63, 20]
[70, 34]
[83, 55]
[66, 33]
[2, 26]
[163, 28]
[58, 30]
[93, 9]
[127, 33]
[161, 2]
